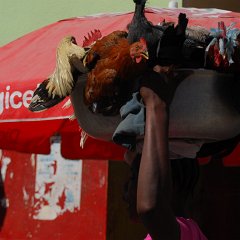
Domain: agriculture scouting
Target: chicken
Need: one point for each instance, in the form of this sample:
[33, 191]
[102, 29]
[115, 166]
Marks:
[141, 27]
[164, 41]
[61, 82]
[69, 59]
[193, 50]
[222, 52]
[110, 76]
[102, 47]
[171, 43]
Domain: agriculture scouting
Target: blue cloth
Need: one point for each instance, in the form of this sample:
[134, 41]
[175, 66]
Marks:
[130, 132]
[133, 123]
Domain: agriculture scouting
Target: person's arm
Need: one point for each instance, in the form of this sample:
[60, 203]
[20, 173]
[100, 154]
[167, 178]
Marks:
[154, 181]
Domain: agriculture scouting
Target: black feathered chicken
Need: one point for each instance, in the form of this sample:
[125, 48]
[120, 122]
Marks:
[164, 42]
[169, 44]
[140, 27]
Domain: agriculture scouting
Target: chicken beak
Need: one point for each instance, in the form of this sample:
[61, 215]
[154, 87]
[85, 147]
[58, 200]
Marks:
[145, 55]
[85, 56]
[85, 60]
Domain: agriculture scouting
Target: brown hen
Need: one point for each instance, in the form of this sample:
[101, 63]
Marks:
[100, 49]
[123, 63]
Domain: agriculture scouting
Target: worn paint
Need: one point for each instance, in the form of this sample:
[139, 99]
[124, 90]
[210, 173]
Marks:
[33, 160]
[11, 175]
[5, 161]
[57, 186]
[88, 222]
[25, 195]
[102, 181]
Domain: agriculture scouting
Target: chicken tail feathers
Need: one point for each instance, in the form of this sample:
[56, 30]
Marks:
[41, 100]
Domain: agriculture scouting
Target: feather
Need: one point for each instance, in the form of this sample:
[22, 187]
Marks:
[41, 100]
[197, 34]
[100, 49]
[67, 104]
[220, 52]
[61, 82]
[112, 73]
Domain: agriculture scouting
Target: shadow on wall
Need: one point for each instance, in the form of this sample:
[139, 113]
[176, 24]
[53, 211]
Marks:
[119, 225]
[216, 206]
[232, 5]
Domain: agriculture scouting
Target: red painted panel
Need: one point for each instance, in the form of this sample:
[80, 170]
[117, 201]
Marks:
[20, 173]
[233, 159]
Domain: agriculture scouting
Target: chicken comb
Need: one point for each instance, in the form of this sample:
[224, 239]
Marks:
[222, 27]
[91, 38]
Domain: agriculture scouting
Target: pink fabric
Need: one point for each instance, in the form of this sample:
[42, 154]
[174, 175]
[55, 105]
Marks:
[189, 230]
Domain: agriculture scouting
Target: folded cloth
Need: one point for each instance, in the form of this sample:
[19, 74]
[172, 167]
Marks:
[130, 132]
[133, 123]
[183, 148]
[133, 112]
[132, 106]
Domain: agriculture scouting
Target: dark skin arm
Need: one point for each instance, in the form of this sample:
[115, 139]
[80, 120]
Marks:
[154, 180]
